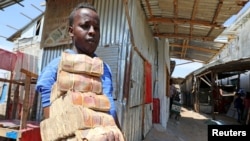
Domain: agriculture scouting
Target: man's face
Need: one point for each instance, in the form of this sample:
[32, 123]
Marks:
[85, 31]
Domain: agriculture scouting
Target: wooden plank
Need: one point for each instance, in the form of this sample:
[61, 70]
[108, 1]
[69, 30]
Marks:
[25, 109]
[8, 98]
[10, 129]
[18, 82]
[10, 133]
[15, 103]
[28, 73]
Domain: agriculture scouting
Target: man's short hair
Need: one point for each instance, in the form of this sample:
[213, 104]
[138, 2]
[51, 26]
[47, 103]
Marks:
[79, 6]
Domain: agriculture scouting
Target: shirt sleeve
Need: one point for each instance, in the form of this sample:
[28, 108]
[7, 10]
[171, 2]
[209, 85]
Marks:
[45, 81]
[107, 87]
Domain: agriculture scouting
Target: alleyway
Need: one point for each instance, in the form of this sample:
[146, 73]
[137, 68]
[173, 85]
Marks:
[191, 126]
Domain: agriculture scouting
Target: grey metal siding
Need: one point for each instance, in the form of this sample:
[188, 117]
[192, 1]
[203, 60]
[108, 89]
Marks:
[113, 22]
[52, 52]
[136, 82]
[110, 56]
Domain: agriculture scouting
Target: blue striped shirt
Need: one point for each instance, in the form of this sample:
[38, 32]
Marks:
[48, 77]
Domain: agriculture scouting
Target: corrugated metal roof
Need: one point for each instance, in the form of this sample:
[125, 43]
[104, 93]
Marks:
[6, 3]
[239, 65]
[191, 26]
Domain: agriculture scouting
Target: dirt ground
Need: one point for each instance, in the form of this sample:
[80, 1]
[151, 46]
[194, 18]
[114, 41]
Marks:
[191, 126]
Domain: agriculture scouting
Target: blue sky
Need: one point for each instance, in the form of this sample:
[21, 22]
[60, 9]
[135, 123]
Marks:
[13, 19]
[234, 17]
[184, 67]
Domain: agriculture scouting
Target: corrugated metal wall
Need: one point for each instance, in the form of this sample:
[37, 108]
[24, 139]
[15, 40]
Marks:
[114, 39]
[137, 81]
[51, 53]
[15, 101]
[136, 101]
[138, 113]
[114, 30]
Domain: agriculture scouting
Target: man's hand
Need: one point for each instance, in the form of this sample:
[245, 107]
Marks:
[107, 133]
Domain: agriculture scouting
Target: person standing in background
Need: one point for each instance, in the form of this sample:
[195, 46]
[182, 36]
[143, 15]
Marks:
[246, 112]
[172, 94]
[238, 104]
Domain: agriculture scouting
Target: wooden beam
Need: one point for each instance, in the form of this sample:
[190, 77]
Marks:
[185, 21]
[7, 116]
[204, 73]
[195, 6]
[125, 3]
[26, 108]
[149, 9]
[195, 48]
[206, 82]
[184, 48]
[18, 82]
[10, 81]
[181, 36]
[156, 29]
[213, 89]
[28, 73]
[187, 58]
[215, 16]
[175, 15]
[15, 102]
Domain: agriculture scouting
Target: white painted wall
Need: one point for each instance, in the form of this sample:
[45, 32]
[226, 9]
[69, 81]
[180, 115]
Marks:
[163, 68]
[238, 48]
[29, 42]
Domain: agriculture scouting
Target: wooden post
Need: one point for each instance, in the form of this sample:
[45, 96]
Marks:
[7, 114]
[197, 93]
[14, 114]
[212, 91]
[25, 109]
